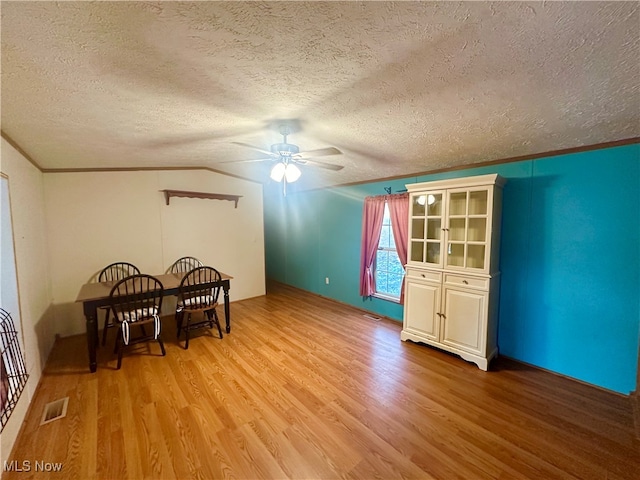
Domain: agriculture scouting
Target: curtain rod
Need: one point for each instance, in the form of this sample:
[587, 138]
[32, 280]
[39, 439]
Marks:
[388, 190]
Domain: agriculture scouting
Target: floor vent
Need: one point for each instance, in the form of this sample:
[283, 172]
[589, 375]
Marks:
[54, 410]
[372, 317]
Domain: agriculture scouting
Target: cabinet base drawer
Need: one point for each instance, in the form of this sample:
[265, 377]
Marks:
[419, 274]
[467, 281]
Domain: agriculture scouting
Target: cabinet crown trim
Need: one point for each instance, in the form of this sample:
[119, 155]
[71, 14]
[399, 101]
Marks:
[479, 180]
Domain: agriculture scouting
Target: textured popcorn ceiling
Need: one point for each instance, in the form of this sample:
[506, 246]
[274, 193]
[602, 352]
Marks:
[399, 88]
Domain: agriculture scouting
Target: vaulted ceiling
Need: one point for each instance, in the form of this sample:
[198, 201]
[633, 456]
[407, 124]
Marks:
[397, 87]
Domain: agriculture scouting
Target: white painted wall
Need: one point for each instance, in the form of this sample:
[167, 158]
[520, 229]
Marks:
[94, 219]
[67, 226]
[30, 239]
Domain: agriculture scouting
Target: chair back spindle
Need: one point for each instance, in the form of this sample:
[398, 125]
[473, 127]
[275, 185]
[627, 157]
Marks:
[113, 273]
[198, 292]
[185, 264]
[117, 271]
[135, 301]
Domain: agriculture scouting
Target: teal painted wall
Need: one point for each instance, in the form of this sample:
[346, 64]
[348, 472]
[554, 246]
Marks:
[570, 258]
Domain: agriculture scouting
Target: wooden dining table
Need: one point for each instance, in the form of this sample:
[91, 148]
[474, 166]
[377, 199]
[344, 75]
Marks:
[95, 295]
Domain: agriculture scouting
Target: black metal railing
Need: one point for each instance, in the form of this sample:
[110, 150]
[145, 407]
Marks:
[13, 371]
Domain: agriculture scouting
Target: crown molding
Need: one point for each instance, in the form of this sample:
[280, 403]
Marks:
[532, 156]
[20, 150]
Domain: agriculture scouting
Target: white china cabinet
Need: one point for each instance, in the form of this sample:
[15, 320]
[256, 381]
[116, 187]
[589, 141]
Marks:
[452, 272]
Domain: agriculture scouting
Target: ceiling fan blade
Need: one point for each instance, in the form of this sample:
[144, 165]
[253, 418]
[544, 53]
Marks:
[195, 137]
[315, 163]
[321, 152]
[255, 148]
[270, 159]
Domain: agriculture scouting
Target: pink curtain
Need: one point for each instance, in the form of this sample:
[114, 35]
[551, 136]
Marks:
[371, 224]
[399, 216]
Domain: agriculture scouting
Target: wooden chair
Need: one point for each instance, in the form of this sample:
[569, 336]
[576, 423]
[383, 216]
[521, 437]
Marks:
[185, 264]
[113, 273]
[198, 293]
[136, 302]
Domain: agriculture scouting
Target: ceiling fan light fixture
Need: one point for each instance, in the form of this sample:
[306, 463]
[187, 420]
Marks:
[291, 173]
[288, 156]
[277, 172]
[288, 171]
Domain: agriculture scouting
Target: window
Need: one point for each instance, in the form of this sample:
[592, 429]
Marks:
[388, 270]
[384, 222]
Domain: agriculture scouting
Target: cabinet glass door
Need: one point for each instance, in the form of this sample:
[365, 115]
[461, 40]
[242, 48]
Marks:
[467, 229]
[426, 228]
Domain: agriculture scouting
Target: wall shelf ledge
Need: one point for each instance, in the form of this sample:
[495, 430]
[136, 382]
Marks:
[213, 196]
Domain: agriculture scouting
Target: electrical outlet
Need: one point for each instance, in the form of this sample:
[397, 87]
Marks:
[326, 280]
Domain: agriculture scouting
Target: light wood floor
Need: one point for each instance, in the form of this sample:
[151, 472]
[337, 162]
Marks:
[305, 388]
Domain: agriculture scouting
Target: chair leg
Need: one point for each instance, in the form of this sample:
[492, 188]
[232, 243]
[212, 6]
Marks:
[179, 318]
[186, 331]
[120, 345]
[217, 322]
[118, 339]
[161, 346]
[105, 328]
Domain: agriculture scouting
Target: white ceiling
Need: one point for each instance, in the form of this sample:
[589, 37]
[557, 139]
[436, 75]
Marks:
[398, 87]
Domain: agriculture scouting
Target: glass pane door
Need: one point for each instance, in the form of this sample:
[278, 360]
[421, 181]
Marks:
[467, 229]
[417, 233]
[434, 227]
[477, 229]
[457, 229]
[426, 228]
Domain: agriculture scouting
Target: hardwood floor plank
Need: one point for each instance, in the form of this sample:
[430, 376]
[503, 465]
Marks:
[337, 450]
[130, 432]
[215, 462]
[312, 458]
[307, 388]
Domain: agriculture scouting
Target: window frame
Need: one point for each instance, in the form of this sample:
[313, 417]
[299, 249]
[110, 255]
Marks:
[385, 295]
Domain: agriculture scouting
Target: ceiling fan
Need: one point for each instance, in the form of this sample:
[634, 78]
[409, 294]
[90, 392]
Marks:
[288, 156]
